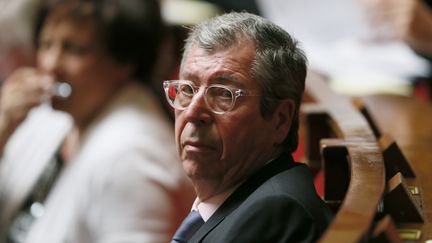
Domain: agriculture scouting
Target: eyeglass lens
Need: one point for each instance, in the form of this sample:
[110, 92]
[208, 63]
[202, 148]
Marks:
[219, 99]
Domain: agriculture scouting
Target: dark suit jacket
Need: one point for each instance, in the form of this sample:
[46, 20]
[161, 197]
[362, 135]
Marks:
[276, 204]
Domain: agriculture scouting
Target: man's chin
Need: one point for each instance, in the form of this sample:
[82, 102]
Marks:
[192, 168]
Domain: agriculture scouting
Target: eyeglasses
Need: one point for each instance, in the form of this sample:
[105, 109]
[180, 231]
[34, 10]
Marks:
[219, 98]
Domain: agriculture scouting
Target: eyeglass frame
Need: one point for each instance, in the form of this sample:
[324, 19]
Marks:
[236, 92]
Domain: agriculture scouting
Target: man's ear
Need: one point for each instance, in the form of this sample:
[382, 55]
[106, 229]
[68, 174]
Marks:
[283, 117]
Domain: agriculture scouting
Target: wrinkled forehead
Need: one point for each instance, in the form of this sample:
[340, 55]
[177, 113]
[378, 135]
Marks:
[231, 66]
[242, 48]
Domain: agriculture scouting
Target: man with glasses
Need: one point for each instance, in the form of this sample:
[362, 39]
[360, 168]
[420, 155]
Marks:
[236, 109]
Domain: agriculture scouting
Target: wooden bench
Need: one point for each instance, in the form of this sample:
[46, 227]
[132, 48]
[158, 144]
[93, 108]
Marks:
[368, 181]
[358, 174]
[409, 124]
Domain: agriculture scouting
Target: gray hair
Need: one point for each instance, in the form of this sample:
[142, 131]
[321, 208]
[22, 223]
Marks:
[279, 66]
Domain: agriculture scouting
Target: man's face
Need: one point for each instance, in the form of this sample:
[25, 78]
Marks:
[223, 148]
[72, 52]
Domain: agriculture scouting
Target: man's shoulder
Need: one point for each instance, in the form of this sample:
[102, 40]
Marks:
[295, 183]
[271, 215]
[290, 193]
[287, 201]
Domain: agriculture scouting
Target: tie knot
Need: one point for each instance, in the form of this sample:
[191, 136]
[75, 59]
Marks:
[188, 227]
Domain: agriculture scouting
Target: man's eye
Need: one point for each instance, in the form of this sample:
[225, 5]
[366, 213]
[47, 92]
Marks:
[221, 92]
[226, 93]
[186, 89]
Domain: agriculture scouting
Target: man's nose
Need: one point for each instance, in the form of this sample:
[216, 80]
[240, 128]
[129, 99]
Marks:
[198, 110]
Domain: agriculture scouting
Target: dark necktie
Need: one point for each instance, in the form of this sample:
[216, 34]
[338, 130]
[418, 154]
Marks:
[188, 227]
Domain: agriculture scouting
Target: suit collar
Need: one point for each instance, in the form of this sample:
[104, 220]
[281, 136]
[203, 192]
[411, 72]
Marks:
[284, 162]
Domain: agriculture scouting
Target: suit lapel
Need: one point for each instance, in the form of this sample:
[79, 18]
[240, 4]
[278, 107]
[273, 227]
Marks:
[277, 166]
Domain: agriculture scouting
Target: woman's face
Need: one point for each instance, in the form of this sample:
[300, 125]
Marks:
[72, 51]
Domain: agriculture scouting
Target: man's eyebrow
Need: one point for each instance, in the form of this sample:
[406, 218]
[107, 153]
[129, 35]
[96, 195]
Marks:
[221, 77]
[189, 76]
[228, 79]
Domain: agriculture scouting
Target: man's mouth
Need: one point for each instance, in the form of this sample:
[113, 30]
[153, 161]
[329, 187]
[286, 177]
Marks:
[197, 146]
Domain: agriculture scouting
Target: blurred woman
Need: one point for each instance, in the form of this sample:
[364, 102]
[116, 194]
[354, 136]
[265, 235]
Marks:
[101, 166]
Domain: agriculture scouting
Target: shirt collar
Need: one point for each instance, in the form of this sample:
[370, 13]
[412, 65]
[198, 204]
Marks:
[208, 207]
